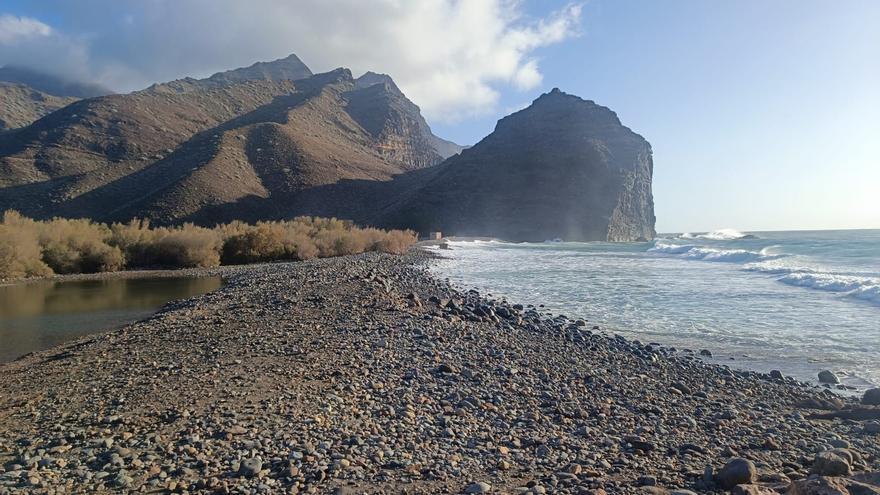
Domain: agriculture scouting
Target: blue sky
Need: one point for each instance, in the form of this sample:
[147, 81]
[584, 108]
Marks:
[763, 115]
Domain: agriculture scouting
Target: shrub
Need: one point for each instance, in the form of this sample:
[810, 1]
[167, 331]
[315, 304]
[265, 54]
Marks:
[134, 239]
[20, 254]
[397, 241]
[35, 248]
[78, 246]
[262, 242]
[188, 246]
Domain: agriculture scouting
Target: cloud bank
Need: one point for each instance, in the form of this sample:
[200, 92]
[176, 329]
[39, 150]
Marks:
[449, 56]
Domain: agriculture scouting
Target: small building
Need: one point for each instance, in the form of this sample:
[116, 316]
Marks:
[435, 236]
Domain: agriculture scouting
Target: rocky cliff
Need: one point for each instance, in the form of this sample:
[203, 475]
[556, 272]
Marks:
[562, 168]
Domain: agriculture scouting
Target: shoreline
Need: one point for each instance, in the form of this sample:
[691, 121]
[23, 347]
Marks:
[223, 270]
[357, 373]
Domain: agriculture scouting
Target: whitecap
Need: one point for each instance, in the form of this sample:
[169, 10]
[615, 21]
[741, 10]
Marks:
[691, 251]
[723, 235]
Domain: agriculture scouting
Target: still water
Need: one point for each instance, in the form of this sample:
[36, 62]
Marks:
[39, 315]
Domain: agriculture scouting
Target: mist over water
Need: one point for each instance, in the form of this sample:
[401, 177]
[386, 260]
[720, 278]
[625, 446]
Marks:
[799, 302]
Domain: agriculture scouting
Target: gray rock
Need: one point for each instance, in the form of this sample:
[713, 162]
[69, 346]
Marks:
[737, 471]
[830, 464]
[872, 397]
[122, 480]
[480, 487]
[250, 467]
[826, 376]
[838, 443]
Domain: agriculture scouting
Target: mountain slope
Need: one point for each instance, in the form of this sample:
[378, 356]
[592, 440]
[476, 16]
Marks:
[197, 149]
[20, 105]
[333, 128]
[563, 167]
[254, 144]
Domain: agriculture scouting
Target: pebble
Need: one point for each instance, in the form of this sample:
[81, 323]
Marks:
[327, 375]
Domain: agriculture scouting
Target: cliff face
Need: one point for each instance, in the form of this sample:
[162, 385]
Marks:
[396, 124]
[562, 168]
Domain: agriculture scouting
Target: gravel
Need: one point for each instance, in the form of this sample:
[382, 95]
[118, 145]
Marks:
[364, 374]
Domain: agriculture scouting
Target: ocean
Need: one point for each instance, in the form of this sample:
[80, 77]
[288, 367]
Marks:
[799, 302]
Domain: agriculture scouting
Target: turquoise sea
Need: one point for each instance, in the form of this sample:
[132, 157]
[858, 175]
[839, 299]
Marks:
[799, 302]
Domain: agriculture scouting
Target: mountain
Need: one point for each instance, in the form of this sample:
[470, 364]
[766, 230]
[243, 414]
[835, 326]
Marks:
[51, 84]
[22, 105]
[562, 168]
[204, 149]
[290, 68]
[254, 144]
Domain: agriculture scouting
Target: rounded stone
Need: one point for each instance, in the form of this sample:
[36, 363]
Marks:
[480, 487]
[737, 471]
[826, 376]
[830, 464]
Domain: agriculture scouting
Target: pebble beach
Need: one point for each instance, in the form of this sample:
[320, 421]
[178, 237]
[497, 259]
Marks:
[366, 374]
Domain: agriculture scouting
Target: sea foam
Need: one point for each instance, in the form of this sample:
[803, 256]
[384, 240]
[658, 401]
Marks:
[691, 251]
[865, 288]
[716, 235]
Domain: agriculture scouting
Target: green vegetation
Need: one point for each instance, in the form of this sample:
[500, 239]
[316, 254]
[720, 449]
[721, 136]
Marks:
[31, 248]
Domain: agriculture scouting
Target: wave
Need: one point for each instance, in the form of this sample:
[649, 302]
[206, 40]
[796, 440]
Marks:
[691, 251]
[723, 235]
[864, 288]
[718, 235]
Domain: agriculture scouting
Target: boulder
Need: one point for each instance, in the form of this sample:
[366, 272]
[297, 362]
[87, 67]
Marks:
[831, 463]
[826, 376]
[872, 397]
[737, 471]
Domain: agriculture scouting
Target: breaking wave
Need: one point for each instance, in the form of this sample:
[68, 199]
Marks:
[861, 287]
[865, 288]
[691, 251]
[718, 235]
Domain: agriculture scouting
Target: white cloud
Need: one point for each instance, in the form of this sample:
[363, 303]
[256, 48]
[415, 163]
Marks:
[451, 57]
[29, 42]
[17, 29]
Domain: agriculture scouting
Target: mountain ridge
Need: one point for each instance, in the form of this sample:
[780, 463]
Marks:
[242, 145]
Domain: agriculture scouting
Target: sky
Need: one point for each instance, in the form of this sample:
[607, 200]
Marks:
[763, 115]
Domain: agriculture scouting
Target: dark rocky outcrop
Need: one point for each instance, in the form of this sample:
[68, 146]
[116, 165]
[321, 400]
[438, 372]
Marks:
[562, 168]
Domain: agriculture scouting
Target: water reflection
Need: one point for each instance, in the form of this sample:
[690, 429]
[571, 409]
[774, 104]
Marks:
[39, 315]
